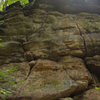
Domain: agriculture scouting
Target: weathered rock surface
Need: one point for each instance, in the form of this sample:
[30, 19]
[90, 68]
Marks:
[49, 49]
[74, 6]
[12, 75]
[91, 94]
[52, 80]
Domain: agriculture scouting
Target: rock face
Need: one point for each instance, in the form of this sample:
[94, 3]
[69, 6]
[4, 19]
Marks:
[94, 64]
[74, 6]
[50, 80]
[45, 52]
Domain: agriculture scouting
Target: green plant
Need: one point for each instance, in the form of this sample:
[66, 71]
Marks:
[88, 26]
[9, 71]
[97, 88]
[6, 77]
[5, 92]
[5, 3]
[93, 26]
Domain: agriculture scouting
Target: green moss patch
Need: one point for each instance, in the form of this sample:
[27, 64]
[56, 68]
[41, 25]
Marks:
[7, 82]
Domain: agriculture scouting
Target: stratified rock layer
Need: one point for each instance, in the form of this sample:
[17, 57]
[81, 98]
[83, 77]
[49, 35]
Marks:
[49, 49]
[50, 80]
[74, 6]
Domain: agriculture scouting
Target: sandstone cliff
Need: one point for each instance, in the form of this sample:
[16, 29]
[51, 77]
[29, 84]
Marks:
[48, 55]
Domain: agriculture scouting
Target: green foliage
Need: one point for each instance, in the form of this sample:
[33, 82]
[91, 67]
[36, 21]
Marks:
[8, 82]
[7, 77]
[9, 71]
[4, 3]
[97, 88]
[13, 69]
[1, 4]
[5, 92]
[23, 2]
[93, 26]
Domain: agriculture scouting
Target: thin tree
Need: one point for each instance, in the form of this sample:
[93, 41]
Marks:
[4, 3]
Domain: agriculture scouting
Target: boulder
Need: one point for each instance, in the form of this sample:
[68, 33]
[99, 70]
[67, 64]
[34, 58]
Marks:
[50, 80]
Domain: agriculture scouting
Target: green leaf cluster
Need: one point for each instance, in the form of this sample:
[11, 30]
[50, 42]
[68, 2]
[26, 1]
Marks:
[6, 76]
[5, 3]
[23, 2]
[97, 88]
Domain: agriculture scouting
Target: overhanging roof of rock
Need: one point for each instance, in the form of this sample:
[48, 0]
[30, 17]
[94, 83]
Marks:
[71, 6]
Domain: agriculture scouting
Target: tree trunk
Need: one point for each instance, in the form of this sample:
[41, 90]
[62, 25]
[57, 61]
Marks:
[5, 4]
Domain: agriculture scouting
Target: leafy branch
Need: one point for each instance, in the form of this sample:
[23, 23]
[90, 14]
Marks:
[5, 3]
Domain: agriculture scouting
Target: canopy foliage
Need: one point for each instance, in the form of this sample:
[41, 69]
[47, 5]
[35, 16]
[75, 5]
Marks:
[5, 3]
